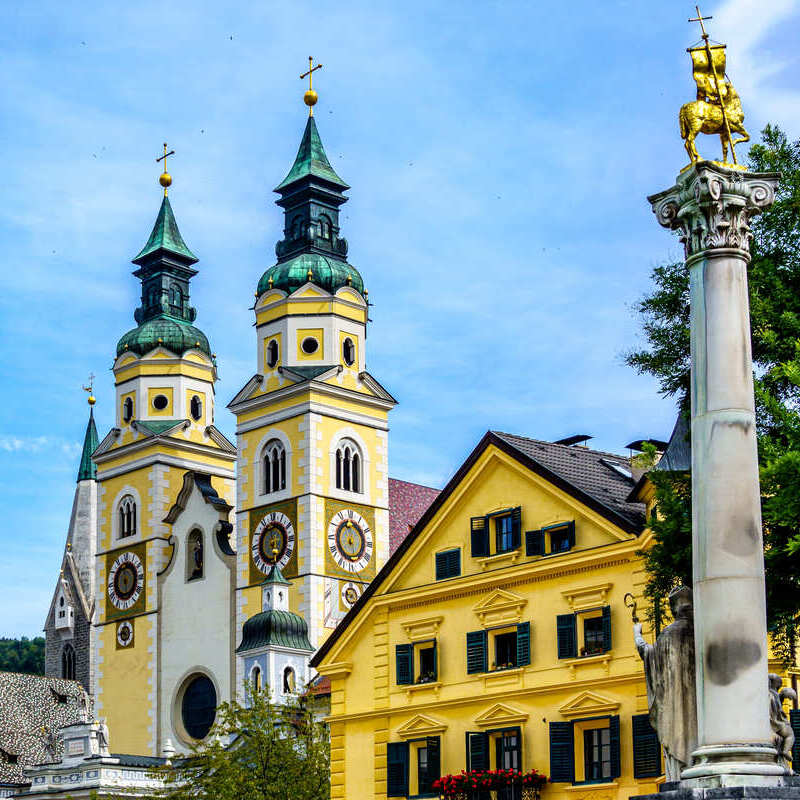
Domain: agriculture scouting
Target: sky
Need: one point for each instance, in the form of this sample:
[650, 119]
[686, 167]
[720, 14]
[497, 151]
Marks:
[499, 153]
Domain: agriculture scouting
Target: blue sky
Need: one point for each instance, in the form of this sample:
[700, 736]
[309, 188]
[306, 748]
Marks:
[500, 154]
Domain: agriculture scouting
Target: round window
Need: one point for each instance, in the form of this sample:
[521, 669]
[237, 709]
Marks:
[199, 706]
[309, 345]
[349, 352]
[160, 402]
[272, 353]
[196, 408]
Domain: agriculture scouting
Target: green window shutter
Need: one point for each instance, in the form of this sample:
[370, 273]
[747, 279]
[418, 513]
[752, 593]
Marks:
[646, 748]
[606, 628]
[479, 531]
[477, 751]
[794, 720]
[523, 644]
[613, 725]
[434, 771]
[448, 564]
[397, 769]
[572, 534]
[534, 543]
[562, 753]
[567, 633]
[516, 527]
[435, 661]
[404, 654]
[476, 651]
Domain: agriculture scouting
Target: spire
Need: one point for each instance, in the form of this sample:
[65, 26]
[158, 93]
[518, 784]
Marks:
[166, 238]
[311, 160]
[87, 471]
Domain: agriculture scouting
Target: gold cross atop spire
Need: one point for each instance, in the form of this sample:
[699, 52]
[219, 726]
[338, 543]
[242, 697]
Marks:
[700, 18]
[90, 389]
[310, 97]
[165, 179]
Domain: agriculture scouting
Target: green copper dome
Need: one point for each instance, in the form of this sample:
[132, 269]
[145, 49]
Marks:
[164, 331]
[311, 160]
[327, 273]
[274, 627]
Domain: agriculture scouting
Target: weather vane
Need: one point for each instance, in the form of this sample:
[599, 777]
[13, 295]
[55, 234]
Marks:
[717, 109]
[165, 179]
[310, 97]
[90, 389]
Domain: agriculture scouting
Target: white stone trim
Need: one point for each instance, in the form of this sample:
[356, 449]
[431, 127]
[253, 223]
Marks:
[309, 407]
[364, 496]
[260, 497]
[170, 461]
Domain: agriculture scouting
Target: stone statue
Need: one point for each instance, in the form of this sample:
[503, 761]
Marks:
[670, 675]
[102, 737]
[783, 735]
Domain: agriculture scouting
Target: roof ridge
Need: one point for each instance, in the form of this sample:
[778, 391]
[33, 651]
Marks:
[569, 447]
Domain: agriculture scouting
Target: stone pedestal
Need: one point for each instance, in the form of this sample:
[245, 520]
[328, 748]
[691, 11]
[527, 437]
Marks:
[711, 206]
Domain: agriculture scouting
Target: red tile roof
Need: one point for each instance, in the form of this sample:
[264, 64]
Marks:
[407, 503]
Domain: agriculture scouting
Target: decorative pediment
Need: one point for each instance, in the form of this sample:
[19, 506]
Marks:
[499, 607]
[585, 597]
[309, 290]
[421, 725]
[588, 704]
[499, 715]
[419, 630]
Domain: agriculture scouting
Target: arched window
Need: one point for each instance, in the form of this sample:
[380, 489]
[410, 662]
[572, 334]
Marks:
[127, 409]
[175, 297]
[274, 461]
[348, 352]
[348, 466]
[272, 353]
[196, 407]
[127, 516]
[153, 297]
[256, 684]
[68, 662]
[289, 681]
[297, 226]
[194, 556]
[324, 227]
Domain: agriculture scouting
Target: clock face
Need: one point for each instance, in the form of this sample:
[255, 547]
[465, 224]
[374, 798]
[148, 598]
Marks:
[125, 634]
[125, 581]
[273, 540]
[350, 593]
[350, 540]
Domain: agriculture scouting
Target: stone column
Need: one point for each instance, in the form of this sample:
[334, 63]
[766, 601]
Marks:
[711, 206]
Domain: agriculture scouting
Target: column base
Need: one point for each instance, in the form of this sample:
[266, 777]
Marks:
[787, 789]
[733, 765]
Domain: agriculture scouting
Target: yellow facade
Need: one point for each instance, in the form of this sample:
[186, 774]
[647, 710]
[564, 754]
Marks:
[307, 420]
[549, 706]
[145, 466]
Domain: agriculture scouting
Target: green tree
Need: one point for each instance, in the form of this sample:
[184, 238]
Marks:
[22, 655]
[258, 751]
[774, 284]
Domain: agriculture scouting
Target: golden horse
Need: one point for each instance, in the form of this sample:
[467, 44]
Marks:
[700, 116]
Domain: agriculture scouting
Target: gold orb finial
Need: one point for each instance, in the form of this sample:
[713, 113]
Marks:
[165, 179]
[89, 389]
[310, 97]
[91, 399]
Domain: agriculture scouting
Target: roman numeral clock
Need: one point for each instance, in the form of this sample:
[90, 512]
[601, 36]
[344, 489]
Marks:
[350, 541]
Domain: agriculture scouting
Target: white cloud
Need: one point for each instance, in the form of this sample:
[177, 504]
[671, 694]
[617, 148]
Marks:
[10, 443]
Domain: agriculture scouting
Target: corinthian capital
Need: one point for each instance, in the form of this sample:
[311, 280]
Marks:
[711, 206]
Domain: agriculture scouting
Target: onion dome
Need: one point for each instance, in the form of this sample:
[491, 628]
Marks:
[165, 268]
[312, 249]
[176, 335]
[327, 273]
[275, 627]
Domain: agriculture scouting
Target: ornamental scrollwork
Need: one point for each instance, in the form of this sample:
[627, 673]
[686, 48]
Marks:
[711, 207]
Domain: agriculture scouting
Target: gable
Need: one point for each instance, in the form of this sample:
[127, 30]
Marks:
[499, 715]
[588, 704]
[419, 726]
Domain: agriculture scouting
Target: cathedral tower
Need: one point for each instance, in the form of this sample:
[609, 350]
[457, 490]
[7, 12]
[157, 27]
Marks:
[69, 632]
[165, 475]
[312, 423]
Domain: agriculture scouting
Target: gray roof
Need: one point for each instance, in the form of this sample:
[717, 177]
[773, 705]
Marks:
[33, 709]
[604, 477]
[678, 455]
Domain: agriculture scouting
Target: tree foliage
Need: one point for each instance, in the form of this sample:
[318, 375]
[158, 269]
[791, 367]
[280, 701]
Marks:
[22, 655]
[258, 751]
[774, 285]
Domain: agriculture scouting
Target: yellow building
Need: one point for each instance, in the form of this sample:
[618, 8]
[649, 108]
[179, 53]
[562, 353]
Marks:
[497, 636]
